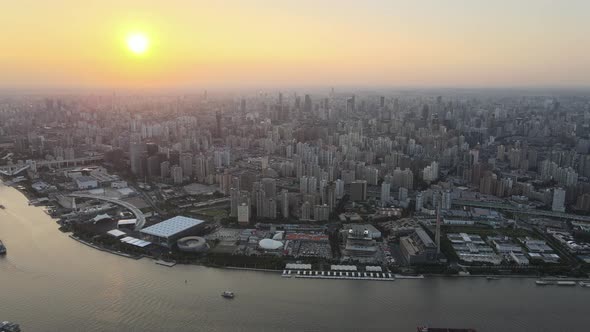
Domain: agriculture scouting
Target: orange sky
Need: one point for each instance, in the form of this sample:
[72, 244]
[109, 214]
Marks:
[64, 43]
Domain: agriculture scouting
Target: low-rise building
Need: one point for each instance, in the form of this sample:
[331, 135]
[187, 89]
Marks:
[86, 182]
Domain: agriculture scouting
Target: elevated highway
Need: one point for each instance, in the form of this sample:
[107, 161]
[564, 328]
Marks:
[14, 169]
[139, 216]
[515, 209]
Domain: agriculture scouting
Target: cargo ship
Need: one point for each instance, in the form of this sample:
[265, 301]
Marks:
[443, 329]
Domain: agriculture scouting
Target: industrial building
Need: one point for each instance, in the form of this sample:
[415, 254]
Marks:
[359, 244]
[418, 247]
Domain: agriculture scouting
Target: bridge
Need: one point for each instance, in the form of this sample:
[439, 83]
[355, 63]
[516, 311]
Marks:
[514, 209]
[11, 170]
[139, 216]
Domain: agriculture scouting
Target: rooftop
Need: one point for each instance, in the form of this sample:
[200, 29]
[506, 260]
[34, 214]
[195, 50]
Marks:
[172, 226]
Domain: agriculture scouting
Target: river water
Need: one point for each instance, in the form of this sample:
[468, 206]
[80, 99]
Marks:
[49, 282]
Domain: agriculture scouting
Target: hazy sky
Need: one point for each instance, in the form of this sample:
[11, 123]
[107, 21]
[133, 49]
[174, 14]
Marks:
[66, 43]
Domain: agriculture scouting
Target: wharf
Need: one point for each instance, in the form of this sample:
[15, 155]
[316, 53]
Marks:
[165, 263]
[376, 276]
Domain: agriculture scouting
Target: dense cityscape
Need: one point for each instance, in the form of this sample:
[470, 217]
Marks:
[294, 165]
[324, 184]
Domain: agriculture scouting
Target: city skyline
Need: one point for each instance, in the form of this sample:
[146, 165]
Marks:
[297, 44]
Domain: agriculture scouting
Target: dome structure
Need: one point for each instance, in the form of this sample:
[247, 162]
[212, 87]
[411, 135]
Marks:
[269, 244]
[192, 244]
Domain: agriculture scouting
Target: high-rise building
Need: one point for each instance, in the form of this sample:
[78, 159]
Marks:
[153, 166]
[218, 123]
[136, 151]
[558, 200]
[402, 194]
[446, 200]
[430, 172]
[285, 203]
[270, 187]
[385, 193]
[339, 190]
[419, 202]
[321, 212]
[306, 211]
[186, 162]
[307, 104]
[176, 172]
[164, 169]
[358, 190]
[270, 208]
[243, 214]
[234, 202]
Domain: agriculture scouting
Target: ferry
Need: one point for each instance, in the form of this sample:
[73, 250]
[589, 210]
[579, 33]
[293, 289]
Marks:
[2, 248]
[443, 329]
[228, 295]
[7, 326]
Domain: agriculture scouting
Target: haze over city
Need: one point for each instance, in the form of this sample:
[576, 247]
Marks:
[457, 43]
[257, 165]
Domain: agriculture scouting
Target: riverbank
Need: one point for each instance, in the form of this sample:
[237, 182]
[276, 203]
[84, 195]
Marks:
[51, 283]
[262, 264]
[91, 245]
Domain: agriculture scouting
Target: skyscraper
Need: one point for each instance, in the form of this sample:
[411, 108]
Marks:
[385, 193]
[558, 200]
[446, 200]
[419, 202]
[136, 151]
[218, 122]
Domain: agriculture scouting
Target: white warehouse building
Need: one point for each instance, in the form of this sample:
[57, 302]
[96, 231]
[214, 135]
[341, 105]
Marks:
[168, 231]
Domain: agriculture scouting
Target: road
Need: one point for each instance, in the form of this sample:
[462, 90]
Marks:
[140, 222]
[512, 208]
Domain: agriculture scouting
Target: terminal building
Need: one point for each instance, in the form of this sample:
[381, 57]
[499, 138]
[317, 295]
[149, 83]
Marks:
[167, 232]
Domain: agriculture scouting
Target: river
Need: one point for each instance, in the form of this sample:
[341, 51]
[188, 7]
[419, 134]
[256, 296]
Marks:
[49, 282]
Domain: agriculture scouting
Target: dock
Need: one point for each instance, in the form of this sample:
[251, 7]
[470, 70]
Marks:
[165, 263]
[375, 276]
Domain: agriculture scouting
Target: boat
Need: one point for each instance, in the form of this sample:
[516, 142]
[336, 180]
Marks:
[2, 207]
[443, 329]
[543, 282]
[566, 283]
[492, 278]
[7, 326]
[2, 248]
[584, 283]
[228, 295]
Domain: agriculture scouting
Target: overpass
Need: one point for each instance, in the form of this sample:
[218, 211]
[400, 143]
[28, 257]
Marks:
[514, 209]
[11, 170]
[139, 216]
[68, 162]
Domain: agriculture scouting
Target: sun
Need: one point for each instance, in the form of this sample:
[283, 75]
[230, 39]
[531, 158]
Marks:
[138, 43]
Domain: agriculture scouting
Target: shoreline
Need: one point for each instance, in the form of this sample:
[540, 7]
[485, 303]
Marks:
[94, 246]
[29, 198]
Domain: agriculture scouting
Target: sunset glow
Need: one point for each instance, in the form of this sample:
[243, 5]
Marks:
[244, 43]
[137, 43]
